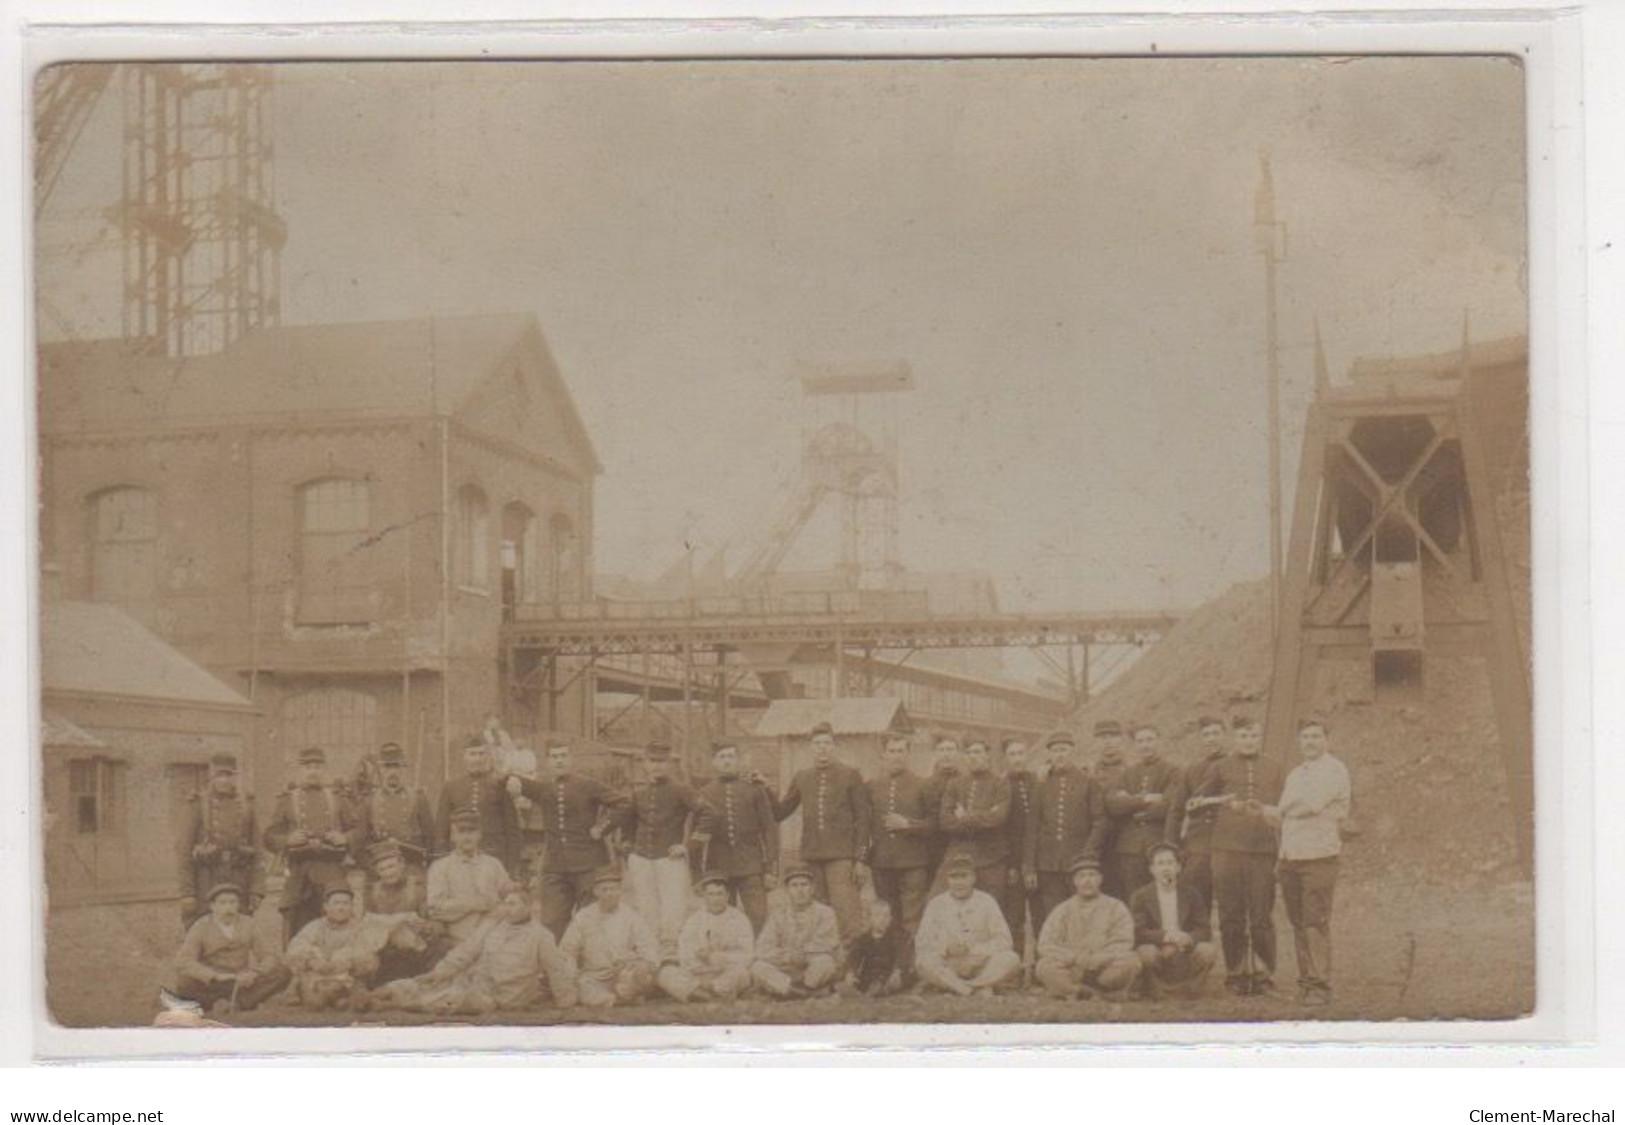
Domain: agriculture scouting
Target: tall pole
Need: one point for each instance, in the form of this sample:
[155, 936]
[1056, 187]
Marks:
[1266, 231]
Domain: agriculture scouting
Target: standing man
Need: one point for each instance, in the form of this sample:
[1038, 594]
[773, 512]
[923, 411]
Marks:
[738, 835]
[394, 813]
[964, 942]
[945, 766]
[1070, 822]
[1314, 802]
[1137, 802]
[1111, 756]
[834, 829]
[657, 875]
[312, 830]
[975, 807]
[1192, 827]
[577, 813]
[482, 789]
[220, 843]
[902, 822]
[1017, 899]
[1244, 787]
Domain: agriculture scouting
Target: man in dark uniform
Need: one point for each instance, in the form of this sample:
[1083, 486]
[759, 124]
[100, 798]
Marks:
[834, 829]
[312, 829]
[737, 835]
[660, 821]
[900, 828]
[1191, 827]
[482, 789]
[1023, 805]
[945, 766]
[1069, 821]
[577, 813]
[1110, 758]
[220, 843]
[1245, 786]
[391, 811]
[975, 807]
[1137, 801]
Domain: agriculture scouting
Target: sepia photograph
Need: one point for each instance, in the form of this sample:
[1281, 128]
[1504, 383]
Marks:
[964, 540]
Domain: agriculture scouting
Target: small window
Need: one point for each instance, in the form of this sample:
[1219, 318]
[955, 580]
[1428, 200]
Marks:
[335, 522]
[93, 794]
[124, 537]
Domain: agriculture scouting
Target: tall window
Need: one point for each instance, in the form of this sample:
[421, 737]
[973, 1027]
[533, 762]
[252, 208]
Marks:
[565, 577]
[124, 552]
[334, 524]
[473, 538]
[95, 795]
[518, 556]
[342, 722]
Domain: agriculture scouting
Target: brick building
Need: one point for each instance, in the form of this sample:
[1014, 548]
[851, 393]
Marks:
[334, 518]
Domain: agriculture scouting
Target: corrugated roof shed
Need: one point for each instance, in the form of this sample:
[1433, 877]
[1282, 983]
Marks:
[795, 717]
[100, 650]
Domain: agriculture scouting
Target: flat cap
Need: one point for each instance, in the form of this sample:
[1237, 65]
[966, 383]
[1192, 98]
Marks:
[223, 889]
[337, 888]
[609, 873]
[1108, 726]
[799, 871]
[466, 816]
[390, 754]
[821, 728]
[708, 878]
[1060, 738]
[313, 756]
[384, 849]
[1087, 861]
[958, 861]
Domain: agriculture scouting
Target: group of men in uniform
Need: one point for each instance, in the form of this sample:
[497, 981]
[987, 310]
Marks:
[1077, 879]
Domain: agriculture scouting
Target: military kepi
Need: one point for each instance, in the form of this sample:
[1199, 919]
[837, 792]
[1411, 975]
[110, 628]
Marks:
[312, 756]
[391, 755]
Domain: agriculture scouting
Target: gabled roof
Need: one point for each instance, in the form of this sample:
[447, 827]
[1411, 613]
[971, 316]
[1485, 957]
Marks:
[430, 366]
[94, 649]
[796, 717]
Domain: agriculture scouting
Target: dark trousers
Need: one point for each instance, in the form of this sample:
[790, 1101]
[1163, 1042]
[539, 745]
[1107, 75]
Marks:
[272, 981]
[1054, 888]
[561, 893]
[1198, 876]
[1018, 902]
[1307, 886]
[749, 893]
[1130, 872]
[1245, 884]
[906, 889]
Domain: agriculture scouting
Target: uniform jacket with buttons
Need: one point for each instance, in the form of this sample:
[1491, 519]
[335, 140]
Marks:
[1023, 806]
[569, 807]
[898, 848]
[1137, 821]
[834, 804]
[736, 831]
[1069, 820]
[1192, 831]
[399, 814]
[659, 817]
[975, 807]
[1246, 779]
[499, 819]
[220, 844]
[317, 810]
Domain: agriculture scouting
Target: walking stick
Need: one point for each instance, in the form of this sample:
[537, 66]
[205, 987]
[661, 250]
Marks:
[231, 1002]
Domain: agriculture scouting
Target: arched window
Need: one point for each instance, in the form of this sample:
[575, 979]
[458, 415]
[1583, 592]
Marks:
[124, 547]
[342, 722]
[334, 523]
[473, 538]
[564, 569]
[519, 561]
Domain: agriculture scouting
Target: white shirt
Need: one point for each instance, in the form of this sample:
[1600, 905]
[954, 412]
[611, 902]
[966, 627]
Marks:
[1314, 801]
[1168, 908]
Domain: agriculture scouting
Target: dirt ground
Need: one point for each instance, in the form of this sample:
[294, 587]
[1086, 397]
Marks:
[1425, 952]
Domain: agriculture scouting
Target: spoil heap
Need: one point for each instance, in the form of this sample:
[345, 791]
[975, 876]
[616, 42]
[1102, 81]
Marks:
[1430, 803]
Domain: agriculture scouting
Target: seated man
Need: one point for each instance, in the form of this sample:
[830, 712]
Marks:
[874, 965]
[1087, 943]
[964, 943]
[391, 890]
[610, 948]
[335, 956]
[222, 959]
[466, 885]
[798, 947]
[1171, 934]
[501, 968]
[714, 948]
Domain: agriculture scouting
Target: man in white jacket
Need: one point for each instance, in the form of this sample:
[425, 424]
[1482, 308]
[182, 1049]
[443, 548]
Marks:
[964, 943]
[1087, 944]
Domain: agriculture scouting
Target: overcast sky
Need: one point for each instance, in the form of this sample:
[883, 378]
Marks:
[1062, 250]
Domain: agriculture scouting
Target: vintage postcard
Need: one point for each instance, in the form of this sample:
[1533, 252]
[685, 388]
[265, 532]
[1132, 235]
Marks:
[784, 541]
